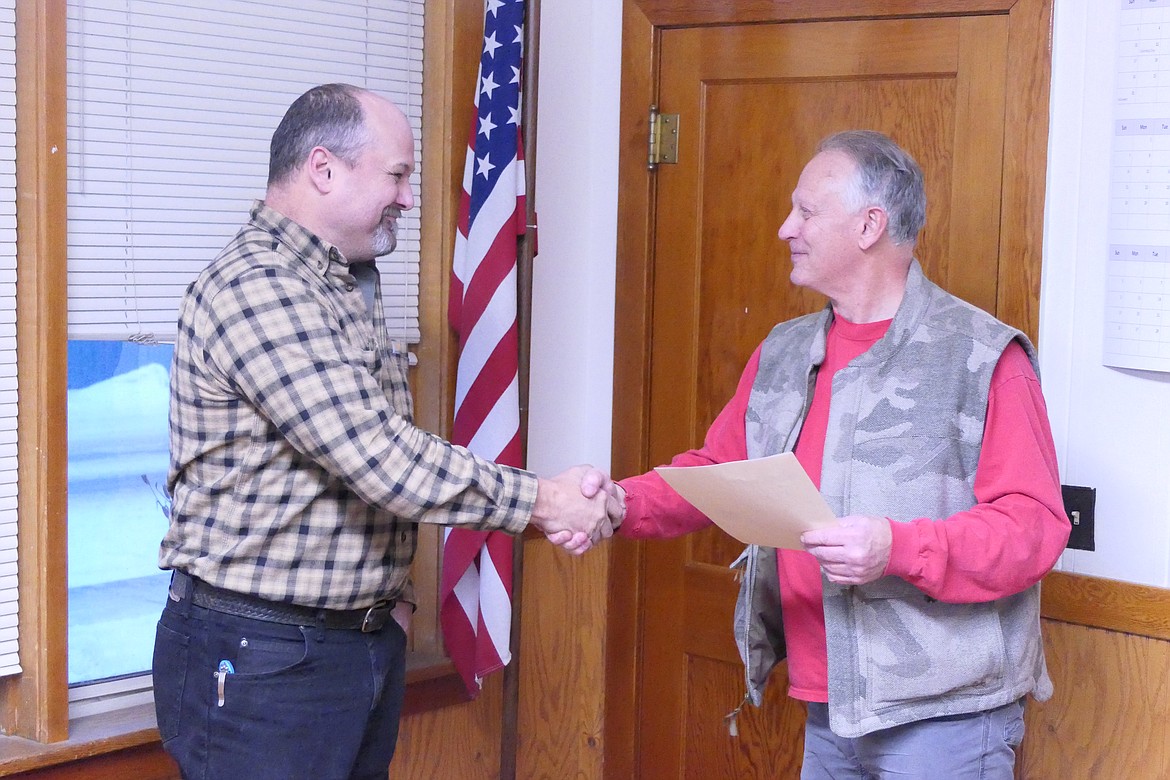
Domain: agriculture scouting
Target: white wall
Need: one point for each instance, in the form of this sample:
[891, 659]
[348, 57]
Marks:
[1112, 427]
[570, 409]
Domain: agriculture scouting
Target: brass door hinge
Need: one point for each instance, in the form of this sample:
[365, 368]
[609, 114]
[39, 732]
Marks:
[663, 138]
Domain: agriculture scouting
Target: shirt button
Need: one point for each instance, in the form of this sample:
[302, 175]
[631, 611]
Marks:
[320, 264]
[349, 287]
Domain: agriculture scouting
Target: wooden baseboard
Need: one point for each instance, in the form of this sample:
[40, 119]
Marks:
[1108, 604]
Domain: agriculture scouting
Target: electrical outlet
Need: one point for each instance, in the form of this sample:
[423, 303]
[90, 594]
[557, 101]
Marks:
[1079, 503]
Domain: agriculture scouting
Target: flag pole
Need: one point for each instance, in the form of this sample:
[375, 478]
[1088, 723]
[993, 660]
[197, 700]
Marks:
[526, 251]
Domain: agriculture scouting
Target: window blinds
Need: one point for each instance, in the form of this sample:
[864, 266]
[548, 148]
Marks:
[171, 107]
[9, 645]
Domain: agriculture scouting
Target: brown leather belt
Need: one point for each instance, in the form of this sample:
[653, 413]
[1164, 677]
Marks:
[366, 619]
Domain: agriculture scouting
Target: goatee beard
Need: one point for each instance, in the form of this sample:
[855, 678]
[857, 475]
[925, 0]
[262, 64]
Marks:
[384, 242]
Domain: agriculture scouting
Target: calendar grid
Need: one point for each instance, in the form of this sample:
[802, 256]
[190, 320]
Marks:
[1137, 301]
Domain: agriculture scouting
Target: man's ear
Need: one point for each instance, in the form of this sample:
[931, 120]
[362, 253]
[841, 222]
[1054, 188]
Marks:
[874, 222]
[320, 167]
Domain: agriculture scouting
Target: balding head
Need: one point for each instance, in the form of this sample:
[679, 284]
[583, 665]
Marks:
[340, 166]
[331, 116]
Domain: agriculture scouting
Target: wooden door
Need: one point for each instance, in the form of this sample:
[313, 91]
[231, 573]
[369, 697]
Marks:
[753, 100]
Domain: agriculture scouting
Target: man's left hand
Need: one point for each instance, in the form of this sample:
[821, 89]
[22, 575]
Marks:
[853, 552]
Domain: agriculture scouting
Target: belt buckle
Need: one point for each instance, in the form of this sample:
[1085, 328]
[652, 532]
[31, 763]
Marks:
[376, 616]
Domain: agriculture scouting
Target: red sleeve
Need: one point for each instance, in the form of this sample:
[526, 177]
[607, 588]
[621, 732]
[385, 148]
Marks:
[653, 509]
[1014, 534]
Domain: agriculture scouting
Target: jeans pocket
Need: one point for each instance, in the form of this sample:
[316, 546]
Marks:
[1013, 727]
[260, 655]
[272, 674]
[169, 669]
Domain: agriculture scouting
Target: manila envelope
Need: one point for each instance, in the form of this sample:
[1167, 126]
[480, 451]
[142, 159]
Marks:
[767, 501]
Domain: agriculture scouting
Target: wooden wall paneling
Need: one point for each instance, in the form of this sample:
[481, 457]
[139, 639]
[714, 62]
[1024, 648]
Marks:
[460, 741]
[1108, 650]
[1110, 714]
[562, 663]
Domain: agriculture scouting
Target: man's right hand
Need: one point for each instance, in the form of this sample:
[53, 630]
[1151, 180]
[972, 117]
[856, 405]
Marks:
[568, 518]
[596, 481]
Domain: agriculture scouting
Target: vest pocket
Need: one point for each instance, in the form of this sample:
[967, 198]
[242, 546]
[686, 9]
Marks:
[914, 648]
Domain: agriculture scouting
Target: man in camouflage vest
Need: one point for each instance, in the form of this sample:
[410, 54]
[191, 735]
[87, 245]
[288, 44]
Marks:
[912, 626]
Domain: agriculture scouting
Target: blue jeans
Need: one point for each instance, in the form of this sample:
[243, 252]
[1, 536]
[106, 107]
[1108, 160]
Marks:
[296, 702]
[976, 746]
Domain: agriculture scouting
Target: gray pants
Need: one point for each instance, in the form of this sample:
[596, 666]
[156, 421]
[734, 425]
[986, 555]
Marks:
[977, 746]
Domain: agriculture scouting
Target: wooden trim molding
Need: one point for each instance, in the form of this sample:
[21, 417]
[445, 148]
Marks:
[1112, 605]
[671, 13]
[142, 762]
[36, 701]
[432, 683]
[631, 384]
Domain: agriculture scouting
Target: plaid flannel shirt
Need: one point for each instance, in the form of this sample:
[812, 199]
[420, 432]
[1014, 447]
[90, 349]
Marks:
[296, 473]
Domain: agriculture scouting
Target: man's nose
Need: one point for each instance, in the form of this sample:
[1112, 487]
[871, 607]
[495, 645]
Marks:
[406, 196]
[786, 231]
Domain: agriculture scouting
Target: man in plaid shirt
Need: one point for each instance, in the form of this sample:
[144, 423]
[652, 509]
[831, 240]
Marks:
[298, 478]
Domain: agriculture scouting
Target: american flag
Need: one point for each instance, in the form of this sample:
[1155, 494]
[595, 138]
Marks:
[476, 586]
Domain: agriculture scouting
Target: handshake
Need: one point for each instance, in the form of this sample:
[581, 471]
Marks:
[578, 508]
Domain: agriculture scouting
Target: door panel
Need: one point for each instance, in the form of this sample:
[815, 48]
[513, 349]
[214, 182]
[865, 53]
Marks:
[753, 101]
[763, 747]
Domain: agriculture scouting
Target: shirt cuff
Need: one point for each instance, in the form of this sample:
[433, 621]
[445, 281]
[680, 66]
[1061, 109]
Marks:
[903, 549]
[518, 498]
[627, 525]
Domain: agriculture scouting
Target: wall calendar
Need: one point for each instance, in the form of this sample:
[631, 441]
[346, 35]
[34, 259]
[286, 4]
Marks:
[1137, 317]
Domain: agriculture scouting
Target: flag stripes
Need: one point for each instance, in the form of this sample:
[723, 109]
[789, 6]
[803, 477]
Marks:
[476, 583]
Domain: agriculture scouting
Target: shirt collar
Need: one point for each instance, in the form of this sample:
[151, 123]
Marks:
[319, 255]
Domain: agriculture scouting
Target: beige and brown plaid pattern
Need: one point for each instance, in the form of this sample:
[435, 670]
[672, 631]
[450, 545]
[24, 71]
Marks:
[296, 471]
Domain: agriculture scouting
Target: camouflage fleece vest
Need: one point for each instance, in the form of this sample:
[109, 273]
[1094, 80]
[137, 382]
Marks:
[903, 441]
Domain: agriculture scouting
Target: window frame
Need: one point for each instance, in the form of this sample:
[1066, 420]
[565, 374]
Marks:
[36, 703]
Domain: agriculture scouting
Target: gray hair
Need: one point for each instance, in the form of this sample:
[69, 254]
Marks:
[331, 116]
[887, 176]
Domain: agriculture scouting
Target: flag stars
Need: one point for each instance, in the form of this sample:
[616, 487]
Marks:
[490, 44]
[486, 125]
[515, 75]
[519, 35]
[489, 86]
[493, 6]
[484, 166]
[514, 114]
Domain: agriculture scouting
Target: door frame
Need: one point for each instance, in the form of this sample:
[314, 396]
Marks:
[1018, 291]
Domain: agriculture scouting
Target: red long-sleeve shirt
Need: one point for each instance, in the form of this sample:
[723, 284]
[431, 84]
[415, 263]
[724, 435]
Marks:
[1002, 545]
